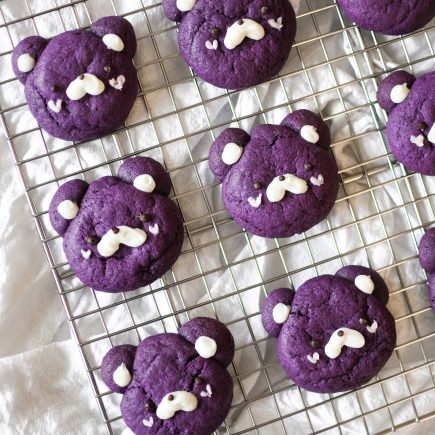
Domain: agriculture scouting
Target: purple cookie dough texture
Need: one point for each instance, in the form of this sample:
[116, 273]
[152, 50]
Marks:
[119, 233]
[335, 332]
[174, 365]
[234, 44]
[281, 180]
[391, 17]
[80, 85]
[427, 261]
[410, 104]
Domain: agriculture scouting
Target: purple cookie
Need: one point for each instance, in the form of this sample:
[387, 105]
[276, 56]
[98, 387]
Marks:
[410, 104]
[427, 261]
[335, 332]
[81, 84]
[391, 17]
[234, 43]
[281, 180]
[174, 383]
[119, 233]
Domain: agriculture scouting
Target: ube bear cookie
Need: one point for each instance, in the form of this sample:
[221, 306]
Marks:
[391, 17]
[234, 43]
[427, 260]
[335, 332]
[281, 180]
[174, 383]
[119, 233]
[81, 84]
[410, 103]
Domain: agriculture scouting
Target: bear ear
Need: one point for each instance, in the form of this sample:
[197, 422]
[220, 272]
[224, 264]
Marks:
[26, 55]
[310, 126]
[366, 280]
[175, 10]
[65, 205]
[146, 175]
[226, 151]
[117, 367]
[427, 251]
[276, 310]
[117, 34]
[211, 338]
[394, 90]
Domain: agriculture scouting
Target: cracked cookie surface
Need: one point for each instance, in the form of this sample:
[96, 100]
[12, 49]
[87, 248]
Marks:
[335, 332]
[119, 233]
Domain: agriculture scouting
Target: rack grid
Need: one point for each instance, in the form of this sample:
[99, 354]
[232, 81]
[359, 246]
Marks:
[380, 215]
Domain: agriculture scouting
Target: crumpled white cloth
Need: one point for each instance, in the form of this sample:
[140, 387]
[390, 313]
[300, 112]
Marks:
[44, 387]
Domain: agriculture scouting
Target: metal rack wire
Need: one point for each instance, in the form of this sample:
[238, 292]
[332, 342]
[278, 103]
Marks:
[222, 266]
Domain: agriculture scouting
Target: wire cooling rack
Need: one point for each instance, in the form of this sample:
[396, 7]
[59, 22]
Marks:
[380, 215]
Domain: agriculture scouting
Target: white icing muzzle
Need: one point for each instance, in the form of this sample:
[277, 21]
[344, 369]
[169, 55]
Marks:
[131, 237]
[174, 402]
[244, 28]
[285, 183]
[431, 134]
[343, 337]
[84, 84]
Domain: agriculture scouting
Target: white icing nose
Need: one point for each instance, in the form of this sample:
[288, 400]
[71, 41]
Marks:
[242, 29]
[84, 84]
[431, 134]
[174, 402]
[132, 237]
[285, 183]
[343, 337]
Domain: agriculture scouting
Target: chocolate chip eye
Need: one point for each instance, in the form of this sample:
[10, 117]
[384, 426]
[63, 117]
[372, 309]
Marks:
[91, 240]
[315, 343]
[363, 321]
[81, 76]
[308, 167]
[257, 185]
[107, 68]
[55, 88]
[340, 333]
[144, 217]
[264, 10]
[240, 22]
[281, 178]
[198, 381]
[215, 32]
[171, 397]
[149, 406]
[422, 126]
[115, 230]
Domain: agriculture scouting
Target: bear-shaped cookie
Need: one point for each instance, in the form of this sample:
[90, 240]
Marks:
[410, 104]
[234, 44]
[390, 17]
[174, 383]
[335, 332]
[427, 261]
[81, 84]
[281, 180]
[119, 233]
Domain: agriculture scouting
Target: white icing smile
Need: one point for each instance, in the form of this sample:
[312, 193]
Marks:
[68, 209]
[276, 24]
[113, 42]
[417, 140]
[26, 63]
[86, 254]
[212, 45]
[154, 230]
[255, 202]
[244, 28]
[313, 358]
[117, 83]
[365, 284]
[207, 392]
[55, 107]
[399, 93]
[343, 337]
[185, 5]
[285, 183]
[84, 84]
[148, 422]
[131, 237]
[431, 134]
[317, 181]
[373, 327]
[174, 402]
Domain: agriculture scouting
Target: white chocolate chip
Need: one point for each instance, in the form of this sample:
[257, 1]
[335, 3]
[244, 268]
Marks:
[26, 63]
[399, 93]
[280, 313]
[113, 42]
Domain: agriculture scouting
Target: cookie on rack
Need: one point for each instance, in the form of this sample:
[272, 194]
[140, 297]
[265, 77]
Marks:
[80, 85]
[427, 261]
[119, 233]
[390, 17]
[281, 180]
[174, 383]
[335, 332]
[410, 104]
[234, 44]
